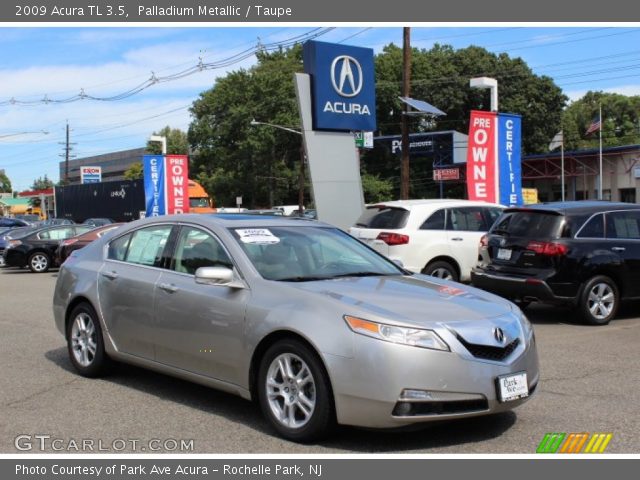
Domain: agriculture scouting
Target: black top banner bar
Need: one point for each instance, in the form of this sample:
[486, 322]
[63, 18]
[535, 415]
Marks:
[295, 11]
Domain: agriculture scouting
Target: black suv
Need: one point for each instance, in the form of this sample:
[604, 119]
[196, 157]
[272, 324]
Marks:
[583, 254]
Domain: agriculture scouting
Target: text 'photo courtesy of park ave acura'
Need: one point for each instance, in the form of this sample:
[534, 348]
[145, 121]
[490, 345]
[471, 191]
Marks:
[320, 240]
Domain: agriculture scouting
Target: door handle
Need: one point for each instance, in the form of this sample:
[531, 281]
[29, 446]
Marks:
[618, 249]
[457, 239]
[112, 275]
[168, 287]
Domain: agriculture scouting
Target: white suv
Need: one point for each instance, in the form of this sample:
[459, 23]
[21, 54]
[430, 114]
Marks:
[435, 237]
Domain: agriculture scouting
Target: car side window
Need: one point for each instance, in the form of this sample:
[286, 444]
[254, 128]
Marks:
[118, 248]
[435, 221]
[623, 225]
[469, 219]
[594, 228]
[196, 248]
[56, 234]
[147, 245]
[490, 216]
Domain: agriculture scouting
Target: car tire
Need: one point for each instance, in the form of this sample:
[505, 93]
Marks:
[85, 342]
[599, 300]
[442, 269]
[294, 392]
[39, 262]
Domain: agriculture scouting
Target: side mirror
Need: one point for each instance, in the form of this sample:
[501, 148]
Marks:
[221, 276]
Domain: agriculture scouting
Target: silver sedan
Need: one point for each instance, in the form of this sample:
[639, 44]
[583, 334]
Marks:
[315, 325]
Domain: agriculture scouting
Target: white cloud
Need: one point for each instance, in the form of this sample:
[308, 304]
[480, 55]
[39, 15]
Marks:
[628, 90]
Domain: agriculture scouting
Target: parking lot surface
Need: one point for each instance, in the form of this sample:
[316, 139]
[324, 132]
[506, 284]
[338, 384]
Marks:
[590, 382]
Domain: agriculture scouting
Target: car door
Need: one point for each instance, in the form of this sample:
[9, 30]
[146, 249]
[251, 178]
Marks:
[199, 328]
[126, 287]
[465, 226]
[623, 238]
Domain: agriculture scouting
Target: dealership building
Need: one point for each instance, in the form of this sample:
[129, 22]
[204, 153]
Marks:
[113, 165]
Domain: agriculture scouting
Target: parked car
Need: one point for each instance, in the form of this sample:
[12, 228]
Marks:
[263, 212]
[301, 316]
[12, 222]
[29, 218]
[435, 237]
[36, 248]
[11, 233]
[98, 222]
[288, 210]
[80, 241]
[56, 221]
[581, 254]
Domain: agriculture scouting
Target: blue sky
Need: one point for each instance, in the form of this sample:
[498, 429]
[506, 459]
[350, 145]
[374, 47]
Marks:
[60, 62]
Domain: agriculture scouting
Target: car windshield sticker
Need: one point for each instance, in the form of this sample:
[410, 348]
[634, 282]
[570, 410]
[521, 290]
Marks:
[260, 236]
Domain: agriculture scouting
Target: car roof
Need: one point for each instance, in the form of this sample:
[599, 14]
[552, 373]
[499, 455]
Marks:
[431, 203]
[579, 207]
[236, 220]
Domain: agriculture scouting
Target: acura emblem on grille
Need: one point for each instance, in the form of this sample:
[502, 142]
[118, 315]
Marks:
[498, 334]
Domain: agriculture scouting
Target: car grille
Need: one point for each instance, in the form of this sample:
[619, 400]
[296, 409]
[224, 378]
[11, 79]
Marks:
[489, 352]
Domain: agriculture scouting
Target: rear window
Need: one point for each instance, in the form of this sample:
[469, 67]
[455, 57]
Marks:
[383, 217]
[529, 224]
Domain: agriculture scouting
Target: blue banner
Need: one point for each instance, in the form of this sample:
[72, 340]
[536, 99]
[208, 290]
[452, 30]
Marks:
[509, 159]
[343, 86]
[154, 191]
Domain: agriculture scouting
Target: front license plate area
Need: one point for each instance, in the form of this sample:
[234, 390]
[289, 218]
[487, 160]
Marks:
[512, 387]
[504, 254]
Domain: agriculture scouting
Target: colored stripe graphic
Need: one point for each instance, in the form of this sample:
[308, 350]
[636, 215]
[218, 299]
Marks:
[574, 443]
[550, 443]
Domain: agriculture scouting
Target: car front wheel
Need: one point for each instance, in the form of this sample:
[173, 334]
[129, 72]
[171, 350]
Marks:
[85, 343]
[294, 392]
[599, 300]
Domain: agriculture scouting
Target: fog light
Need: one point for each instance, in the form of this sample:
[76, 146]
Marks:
[402, 409]
[410, 394]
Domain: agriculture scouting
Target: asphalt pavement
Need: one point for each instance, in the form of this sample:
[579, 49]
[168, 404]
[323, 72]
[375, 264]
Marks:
[590, 382]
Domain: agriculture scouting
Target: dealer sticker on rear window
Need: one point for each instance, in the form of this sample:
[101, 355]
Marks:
[260, 236]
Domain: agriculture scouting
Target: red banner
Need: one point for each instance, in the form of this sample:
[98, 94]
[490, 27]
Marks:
[481, 157]
[177, 183]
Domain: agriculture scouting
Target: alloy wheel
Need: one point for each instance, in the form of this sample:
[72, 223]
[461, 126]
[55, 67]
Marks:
[84, 339]
[291, 390]
[601, 300]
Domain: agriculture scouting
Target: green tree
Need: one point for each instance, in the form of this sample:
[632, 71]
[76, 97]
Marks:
[177, 142]
[5, 183]
[376, 189]
[234, 158]
[620, 120]
[134, 172]
[42, 183]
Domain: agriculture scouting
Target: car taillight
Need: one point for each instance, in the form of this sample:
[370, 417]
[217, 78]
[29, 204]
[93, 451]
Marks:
[68, 241]
[393, 238]
[548, 248]
[484, 240]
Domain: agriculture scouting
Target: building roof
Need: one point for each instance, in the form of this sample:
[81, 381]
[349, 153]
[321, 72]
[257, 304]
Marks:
[11, 202]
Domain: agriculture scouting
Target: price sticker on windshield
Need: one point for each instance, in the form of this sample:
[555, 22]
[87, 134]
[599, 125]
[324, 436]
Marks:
[259, 236]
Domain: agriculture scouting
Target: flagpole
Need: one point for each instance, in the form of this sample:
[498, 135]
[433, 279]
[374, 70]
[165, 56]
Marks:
[600, 173]
[562, 164]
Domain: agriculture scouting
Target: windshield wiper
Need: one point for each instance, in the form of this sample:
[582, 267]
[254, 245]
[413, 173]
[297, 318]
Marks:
[301, 278]
[362, 274]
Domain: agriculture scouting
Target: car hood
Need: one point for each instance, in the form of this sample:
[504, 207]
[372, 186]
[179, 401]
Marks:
[415, 299]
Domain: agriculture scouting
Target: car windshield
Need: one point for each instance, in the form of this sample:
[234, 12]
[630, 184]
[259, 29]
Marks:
[198, 202]
[381, 216]
[528, 224]
[306, 253]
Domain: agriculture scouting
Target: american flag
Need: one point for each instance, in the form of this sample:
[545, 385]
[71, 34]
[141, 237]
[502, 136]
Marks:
[594, 127]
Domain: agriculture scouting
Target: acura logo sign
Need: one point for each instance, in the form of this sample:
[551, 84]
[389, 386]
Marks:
[346, 76]
[498, 334]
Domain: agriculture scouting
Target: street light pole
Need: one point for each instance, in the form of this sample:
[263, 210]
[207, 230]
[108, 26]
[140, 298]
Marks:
[254, 123]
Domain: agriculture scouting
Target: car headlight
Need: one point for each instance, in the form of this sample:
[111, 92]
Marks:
[414, 337]
[13, 243]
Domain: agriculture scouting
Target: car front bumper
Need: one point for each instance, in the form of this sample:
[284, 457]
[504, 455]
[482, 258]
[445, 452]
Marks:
[368, 387]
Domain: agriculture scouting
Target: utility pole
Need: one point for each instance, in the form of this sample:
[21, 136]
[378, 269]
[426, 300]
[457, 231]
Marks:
[406, 90]
[67, 155]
